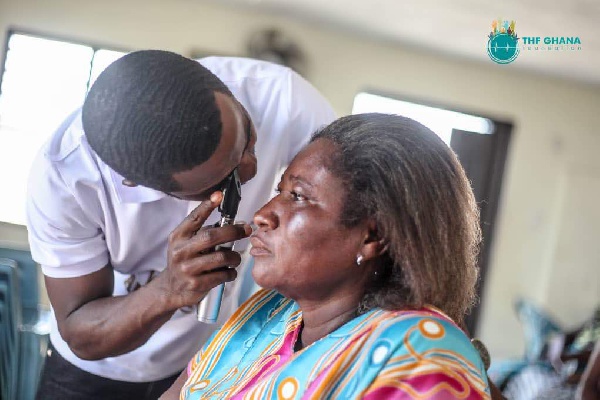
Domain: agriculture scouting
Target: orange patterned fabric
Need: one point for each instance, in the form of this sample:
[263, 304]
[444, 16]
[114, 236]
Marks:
[416, 354]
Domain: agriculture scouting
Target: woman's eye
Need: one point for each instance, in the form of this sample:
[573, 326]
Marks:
[295, 196]
[298, 197]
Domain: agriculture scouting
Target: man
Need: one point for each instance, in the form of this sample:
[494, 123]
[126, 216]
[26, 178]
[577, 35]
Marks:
[109, 191]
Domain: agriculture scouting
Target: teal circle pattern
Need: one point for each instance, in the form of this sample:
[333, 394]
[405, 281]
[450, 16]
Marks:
[503, 48]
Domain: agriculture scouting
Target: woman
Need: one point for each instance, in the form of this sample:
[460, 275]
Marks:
[367, 257]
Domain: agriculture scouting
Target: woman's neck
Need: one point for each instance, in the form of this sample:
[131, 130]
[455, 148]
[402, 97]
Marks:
[321, 318]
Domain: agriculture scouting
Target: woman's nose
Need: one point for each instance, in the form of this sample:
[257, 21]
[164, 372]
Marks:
[266, 218]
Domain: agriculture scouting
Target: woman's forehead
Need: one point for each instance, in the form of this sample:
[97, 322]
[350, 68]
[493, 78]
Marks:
[310, 166]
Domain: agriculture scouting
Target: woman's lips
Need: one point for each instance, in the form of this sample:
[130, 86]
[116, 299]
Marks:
[258, 247]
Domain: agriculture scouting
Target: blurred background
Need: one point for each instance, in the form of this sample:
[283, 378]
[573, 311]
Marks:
[528, 132]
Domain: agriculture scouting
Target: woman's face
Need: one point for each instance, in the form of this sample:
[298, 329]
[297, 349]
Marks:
[300, 248]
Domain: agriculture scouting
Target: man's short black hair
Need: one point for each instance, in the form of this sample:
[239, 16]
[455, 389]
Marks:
[153, 113]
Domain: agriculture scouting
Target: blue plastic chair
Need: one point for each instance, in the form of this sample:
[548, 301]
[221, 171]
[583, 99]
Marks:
[32, 326]
[10, 297]
[538, 326]
[5, 345]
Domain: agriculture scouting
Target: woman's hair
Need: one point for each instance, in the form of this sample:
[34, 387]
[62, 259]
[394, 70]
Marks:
[152, 113]
[404, 176]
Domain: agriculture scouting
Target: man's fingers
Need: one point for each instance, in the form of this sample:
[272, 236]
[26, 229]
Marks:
[196, 289]
[209, 280]
[207, 263]
[215, 278]
[194, 221]
[208, 238]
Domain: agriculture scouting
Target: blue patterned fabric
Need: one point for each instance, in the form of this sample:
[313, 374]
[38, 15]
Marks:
[418, 354]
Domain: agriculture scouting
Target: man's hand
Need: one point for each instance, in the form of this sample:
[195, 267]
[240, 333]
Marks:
[97, 325]
[194, 267]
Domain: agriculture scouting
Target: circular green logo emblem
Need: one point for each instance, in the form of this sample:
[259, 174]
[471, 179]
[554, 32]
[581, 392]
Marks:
[503, 48]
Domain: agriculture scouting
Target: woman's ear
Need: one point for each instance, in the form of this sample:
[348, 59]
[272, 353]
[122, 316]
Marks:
[373, 245]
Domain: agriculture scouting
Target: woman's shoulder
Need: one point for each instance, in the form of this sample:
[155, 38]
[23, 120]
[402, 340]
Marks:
[426, 334]
[421, 351]
[427, 319]
[424, 328]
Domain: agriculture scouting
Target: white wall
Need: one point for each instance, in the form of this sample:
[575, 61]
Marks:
[552, 172]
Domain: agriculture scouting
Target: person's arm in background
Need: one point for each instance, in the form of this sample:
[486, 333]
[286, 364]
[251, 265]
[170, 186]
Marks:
[95, 324]
[589, 386]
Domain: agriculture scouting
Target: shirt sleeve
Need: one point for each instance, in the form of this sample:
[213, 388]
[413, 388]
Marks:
[434, 361]
[62, 237]
[309, 111]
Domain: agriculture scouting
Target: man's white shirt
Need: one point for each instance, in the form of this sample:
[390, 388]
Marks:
[81, 217]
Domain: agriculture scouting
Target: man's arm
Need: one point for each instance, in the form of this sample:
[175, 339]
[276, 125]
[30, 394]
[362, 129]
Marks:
[97, 325]
[86, 311]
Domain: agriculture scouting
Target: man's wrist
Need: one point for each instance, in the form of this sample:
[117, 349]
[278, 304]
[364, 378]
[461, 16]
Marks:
[162, 296]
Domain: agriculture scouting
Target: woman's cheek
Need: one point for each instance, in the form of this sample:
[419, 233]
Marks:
[297, 226]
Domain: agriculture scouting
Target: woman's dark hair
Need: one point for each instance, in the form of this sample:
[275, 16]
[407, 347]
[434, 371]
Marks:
[402, 175]
[151, 114]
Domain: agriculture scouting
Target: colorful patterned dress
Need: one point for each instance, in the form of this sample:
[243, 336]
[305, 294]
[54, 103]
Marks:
[417, 354]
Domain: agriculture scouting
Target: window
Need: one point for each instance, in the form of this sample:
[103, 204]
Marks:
[43, 80]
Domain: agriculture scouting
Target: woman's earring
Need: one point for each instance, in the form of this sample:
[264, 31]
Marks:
[359, 259]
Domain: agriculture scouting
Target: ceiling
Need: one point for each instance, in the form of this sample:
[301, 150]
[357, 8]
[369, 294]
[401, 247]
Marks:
[460, 27]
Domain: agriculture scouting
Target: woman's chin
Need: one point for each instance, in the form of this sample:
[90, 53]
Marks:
[262, 275]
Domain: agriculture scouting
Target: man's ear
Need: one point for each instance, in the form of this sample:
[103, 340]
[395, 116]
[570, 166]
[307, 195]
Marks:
[127, 182]
[373, 245]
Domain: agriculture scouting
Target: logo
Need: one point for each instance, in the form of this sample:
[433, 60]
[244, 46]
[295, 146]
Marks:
[503, 43]
[552, 43]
